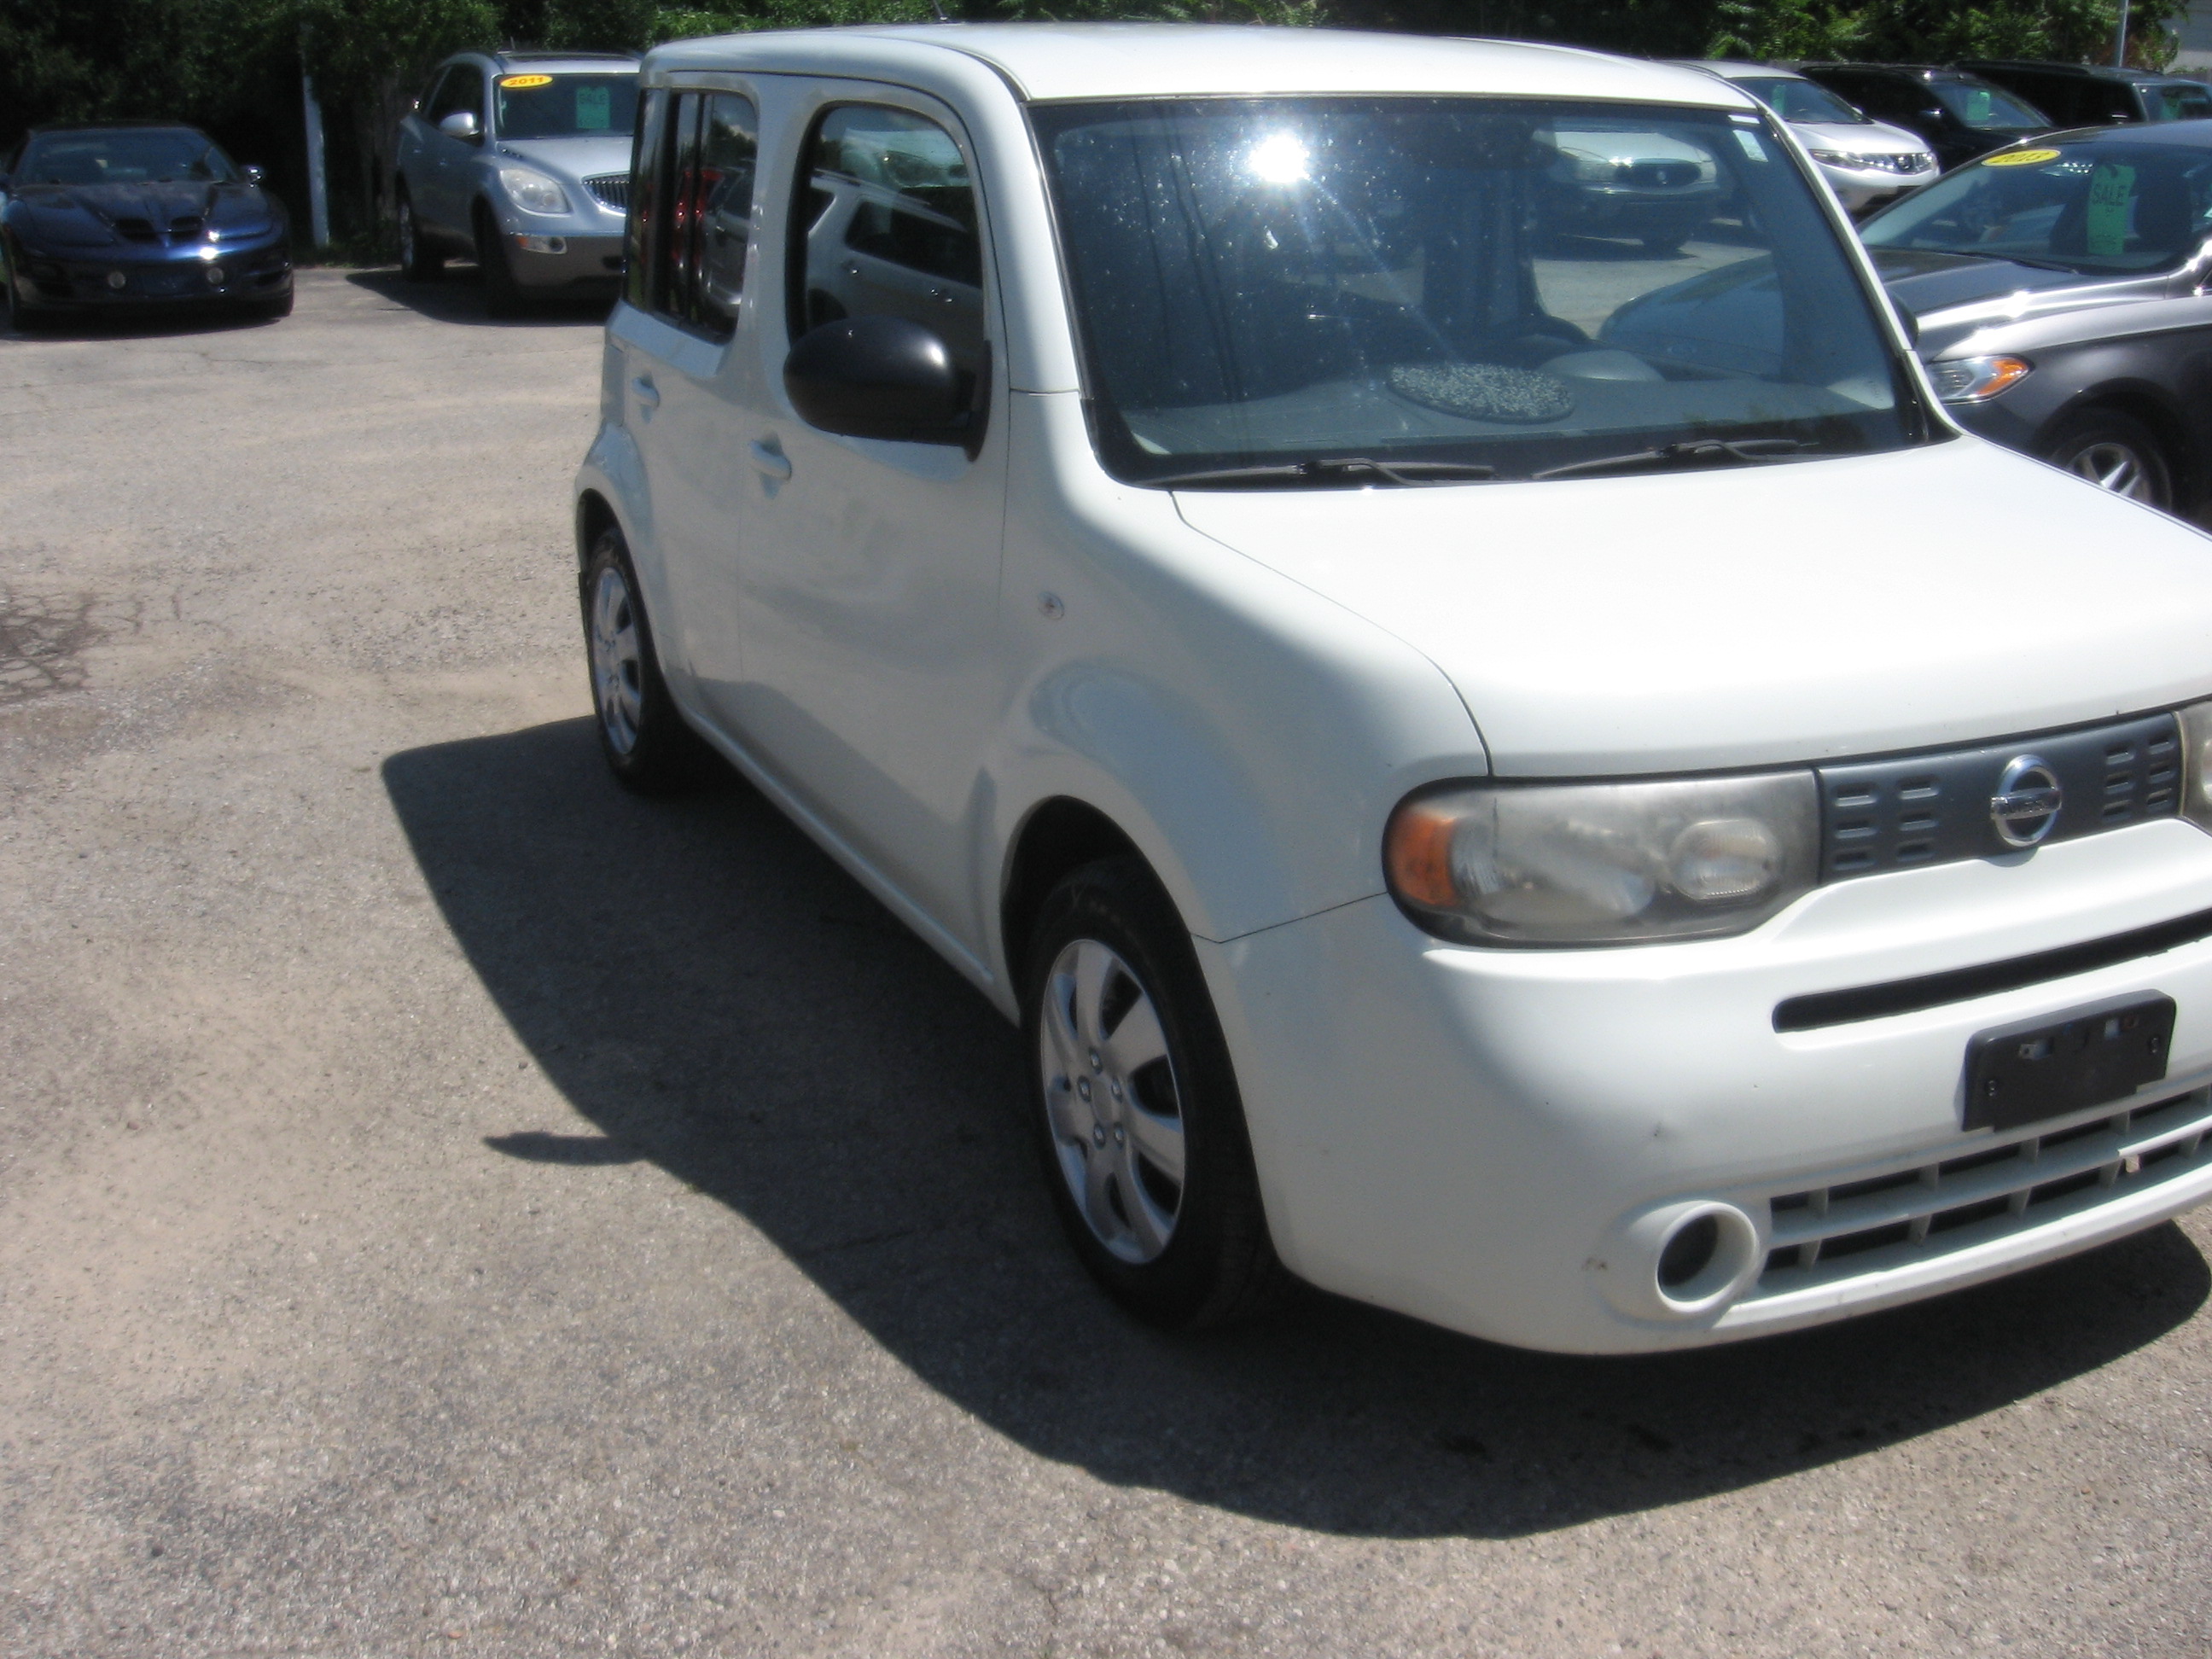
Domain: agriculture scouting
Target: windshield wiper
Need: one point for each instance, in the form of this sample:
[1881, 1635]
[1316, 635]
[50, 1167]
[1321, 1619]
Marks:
[1699, 451]
[1337, 470]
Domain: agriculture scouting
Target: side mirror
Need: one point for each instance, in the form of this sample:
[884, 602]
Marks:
[254, 175]
[461, 124]
[882, 377]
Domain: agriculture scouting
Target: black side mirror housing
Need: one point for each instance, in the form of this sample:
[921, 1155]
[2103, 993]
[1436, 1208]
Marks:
[884, 377]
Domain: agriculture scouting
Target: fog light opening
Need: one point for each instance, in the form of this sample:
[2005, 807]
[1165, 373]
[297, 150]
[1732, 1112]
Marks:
[1690, 1252]
[1710, 1254]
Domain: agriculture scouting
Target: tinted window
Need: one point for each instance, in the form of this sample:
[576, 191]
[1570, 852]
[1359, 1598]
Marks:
[127, 157]
[2171, 102]
[463, 89]
[1986, 108]
[691, 220]
[1277, 282]
[1794, 100]
[885, 222]
[566, 106]
[642, 237]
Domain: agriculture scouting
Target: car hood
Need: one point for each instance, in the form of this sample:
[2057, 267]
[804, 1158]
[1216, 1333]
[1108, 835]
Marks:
[1871, 138]
[101, 215]
[571, 158]
[1954, 296]
[1759, 616]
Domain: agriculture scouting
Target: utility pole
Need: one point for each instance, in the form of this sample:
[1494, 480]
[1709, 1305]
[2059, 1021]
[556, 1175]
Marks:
[2120, 40]
[319, 195]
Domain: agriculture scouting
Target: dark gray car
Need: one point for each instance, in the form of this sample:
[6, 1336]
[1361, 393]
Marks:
[520, 161]
[2062, 289]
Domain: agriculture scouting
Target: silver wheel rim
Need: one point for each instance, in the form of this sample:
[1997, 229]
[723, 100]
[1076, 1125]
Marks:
[616, 668]
[2116, 467]
[1111, 1100]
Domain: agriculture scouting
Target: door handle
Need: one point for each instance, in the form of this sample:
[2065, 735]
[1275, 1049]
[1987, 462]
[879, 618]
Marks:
[647, 393]
[769, 460]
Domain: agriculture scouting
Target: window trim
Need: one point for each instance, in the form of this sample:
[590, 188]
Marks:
[651, 294]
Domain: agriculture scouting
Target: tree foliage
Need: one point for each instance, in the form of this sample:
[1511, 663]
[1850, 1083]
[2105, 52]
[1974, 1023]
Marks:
[233, 66]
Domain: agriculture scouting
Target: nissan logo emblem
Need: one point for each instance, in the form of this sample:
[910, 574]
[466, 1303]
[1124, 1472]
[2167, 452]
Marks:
[2025, 808]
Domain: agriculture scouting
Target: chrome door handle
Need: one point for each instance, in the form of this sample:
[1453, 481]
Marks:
[647, 393]
[769, 460]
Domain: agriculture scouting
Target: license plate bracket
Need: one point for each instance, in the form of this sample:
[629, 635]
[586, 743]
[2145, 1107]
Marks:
[2038, 1068]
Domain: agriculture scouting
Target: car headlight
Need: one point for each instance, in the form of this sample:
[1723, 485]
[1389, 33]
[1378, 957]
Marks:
[1976, 379]
[533, 192]
[1603, 863]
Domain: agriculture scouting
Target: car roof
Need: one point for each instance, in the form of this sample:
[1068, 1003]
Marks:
[1054, 61]
[1738, 68]
[1917, 71]
[2081, 71]
[2180, 134]
[555, 62]
[114, 127]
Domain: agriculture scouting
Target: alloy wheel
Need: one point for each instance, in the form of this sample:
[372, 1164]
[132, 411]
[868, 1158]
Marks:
[1111, 1100]
[618, 670]
[2114, 467]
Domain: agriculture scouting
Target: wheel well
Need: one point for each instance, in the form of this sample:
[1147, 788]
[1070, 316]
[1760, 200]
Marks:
[1060, 835]
[594, 516]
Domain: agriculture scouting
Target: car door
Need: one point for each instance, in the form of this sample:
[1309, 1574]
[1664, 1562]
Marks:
[687, 394]
[870, 569]
[450, 175]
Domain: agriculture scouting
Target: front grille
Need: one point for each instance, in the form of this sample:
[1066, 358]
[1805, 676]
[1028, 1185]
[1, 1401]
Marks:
[1932, 809]
[138, 230]
[610, 189]
[1823, 1234]
[1659, 175]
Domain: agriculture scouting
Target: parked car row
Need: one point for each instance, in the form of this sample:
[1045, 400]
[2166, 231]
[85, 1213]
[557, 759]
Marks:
[1561, 800]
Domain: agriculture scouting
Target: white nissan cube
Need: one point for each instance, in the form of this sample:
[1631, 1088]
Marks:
[1510, 763]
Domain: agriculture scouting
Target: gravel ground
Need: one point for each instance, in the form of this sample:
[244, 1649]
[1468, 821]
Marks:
[448, 1206]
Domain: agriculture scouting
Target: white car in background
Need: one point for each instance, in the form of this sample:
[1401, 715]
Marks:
[1601, 826]
[1865, 162]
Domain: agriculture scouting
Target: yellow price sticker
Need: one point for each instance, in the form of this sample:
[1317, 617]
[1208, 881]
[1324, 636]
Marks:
[516, 83]
[2020, 158]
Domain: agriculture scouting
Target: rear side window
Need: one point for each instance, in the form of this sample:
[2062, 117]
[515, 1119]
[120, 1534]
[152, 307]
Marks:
[691, 208]
[885, 222]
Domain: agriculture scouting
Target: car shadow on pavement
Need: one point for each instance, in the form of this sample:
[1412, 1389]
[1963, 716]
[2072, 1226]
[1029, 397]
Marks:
[457, 296]
[716, 996]
[137, 326]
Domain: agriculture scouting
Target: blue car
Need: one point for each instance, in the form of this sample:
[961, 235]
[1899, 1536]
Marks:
[138, 216]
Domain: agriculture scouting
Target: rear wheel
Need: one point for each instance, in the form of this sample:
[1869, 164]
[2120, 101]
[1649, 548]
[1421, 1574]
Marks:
[645, 740]
[502, 294]
[418, 261]
[2114, 452]
[1134, 1102]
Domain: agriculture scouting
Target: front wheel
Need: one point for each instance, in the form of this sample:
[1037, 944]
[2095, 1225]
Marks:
[1135, 1105]
[646, 745]
[22, 318]
[502, 294]
[2114, 452]
[418, 261]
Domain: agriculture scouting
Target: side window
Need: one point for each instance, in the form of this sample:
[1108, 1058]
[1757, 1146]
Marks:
[648, 187]
[885, 222]
[691, 214]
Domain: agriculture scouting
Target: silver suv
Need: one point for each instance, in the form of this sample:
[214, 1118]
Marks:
[520, 160]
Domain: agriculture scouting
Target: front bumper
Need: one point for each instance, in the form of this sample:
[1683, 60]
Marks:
[1631, 212]
[85, 279]
[1861, 190]
[1495, 1141]
[544, 260]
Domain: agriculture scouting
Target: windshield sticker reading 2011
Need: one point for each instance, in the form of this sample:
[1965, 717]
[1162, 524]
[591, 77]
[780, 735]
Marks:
[2021, 158]
[516, 83]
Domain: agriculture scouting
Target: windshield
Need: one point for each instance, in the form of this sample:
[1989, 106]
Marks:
[567, 105]
[2178, 102]
[1794, 100]
[1986, 108]
[1516, 285]
[2090, 207]
[154, 156]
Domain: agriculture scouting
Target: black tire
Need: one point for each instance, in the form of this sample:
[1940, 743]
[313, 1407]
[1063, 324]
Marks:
[502, 294]
[270, 309]
[22, 318]
[646, 742]
[2115, 451]
[419, 262]
[1218, 1263]
[1665, 245]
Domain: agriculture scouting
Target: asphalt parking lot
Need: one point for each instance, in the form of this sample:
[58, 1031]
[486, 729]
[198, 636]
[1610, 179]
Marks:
[449, 1206]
